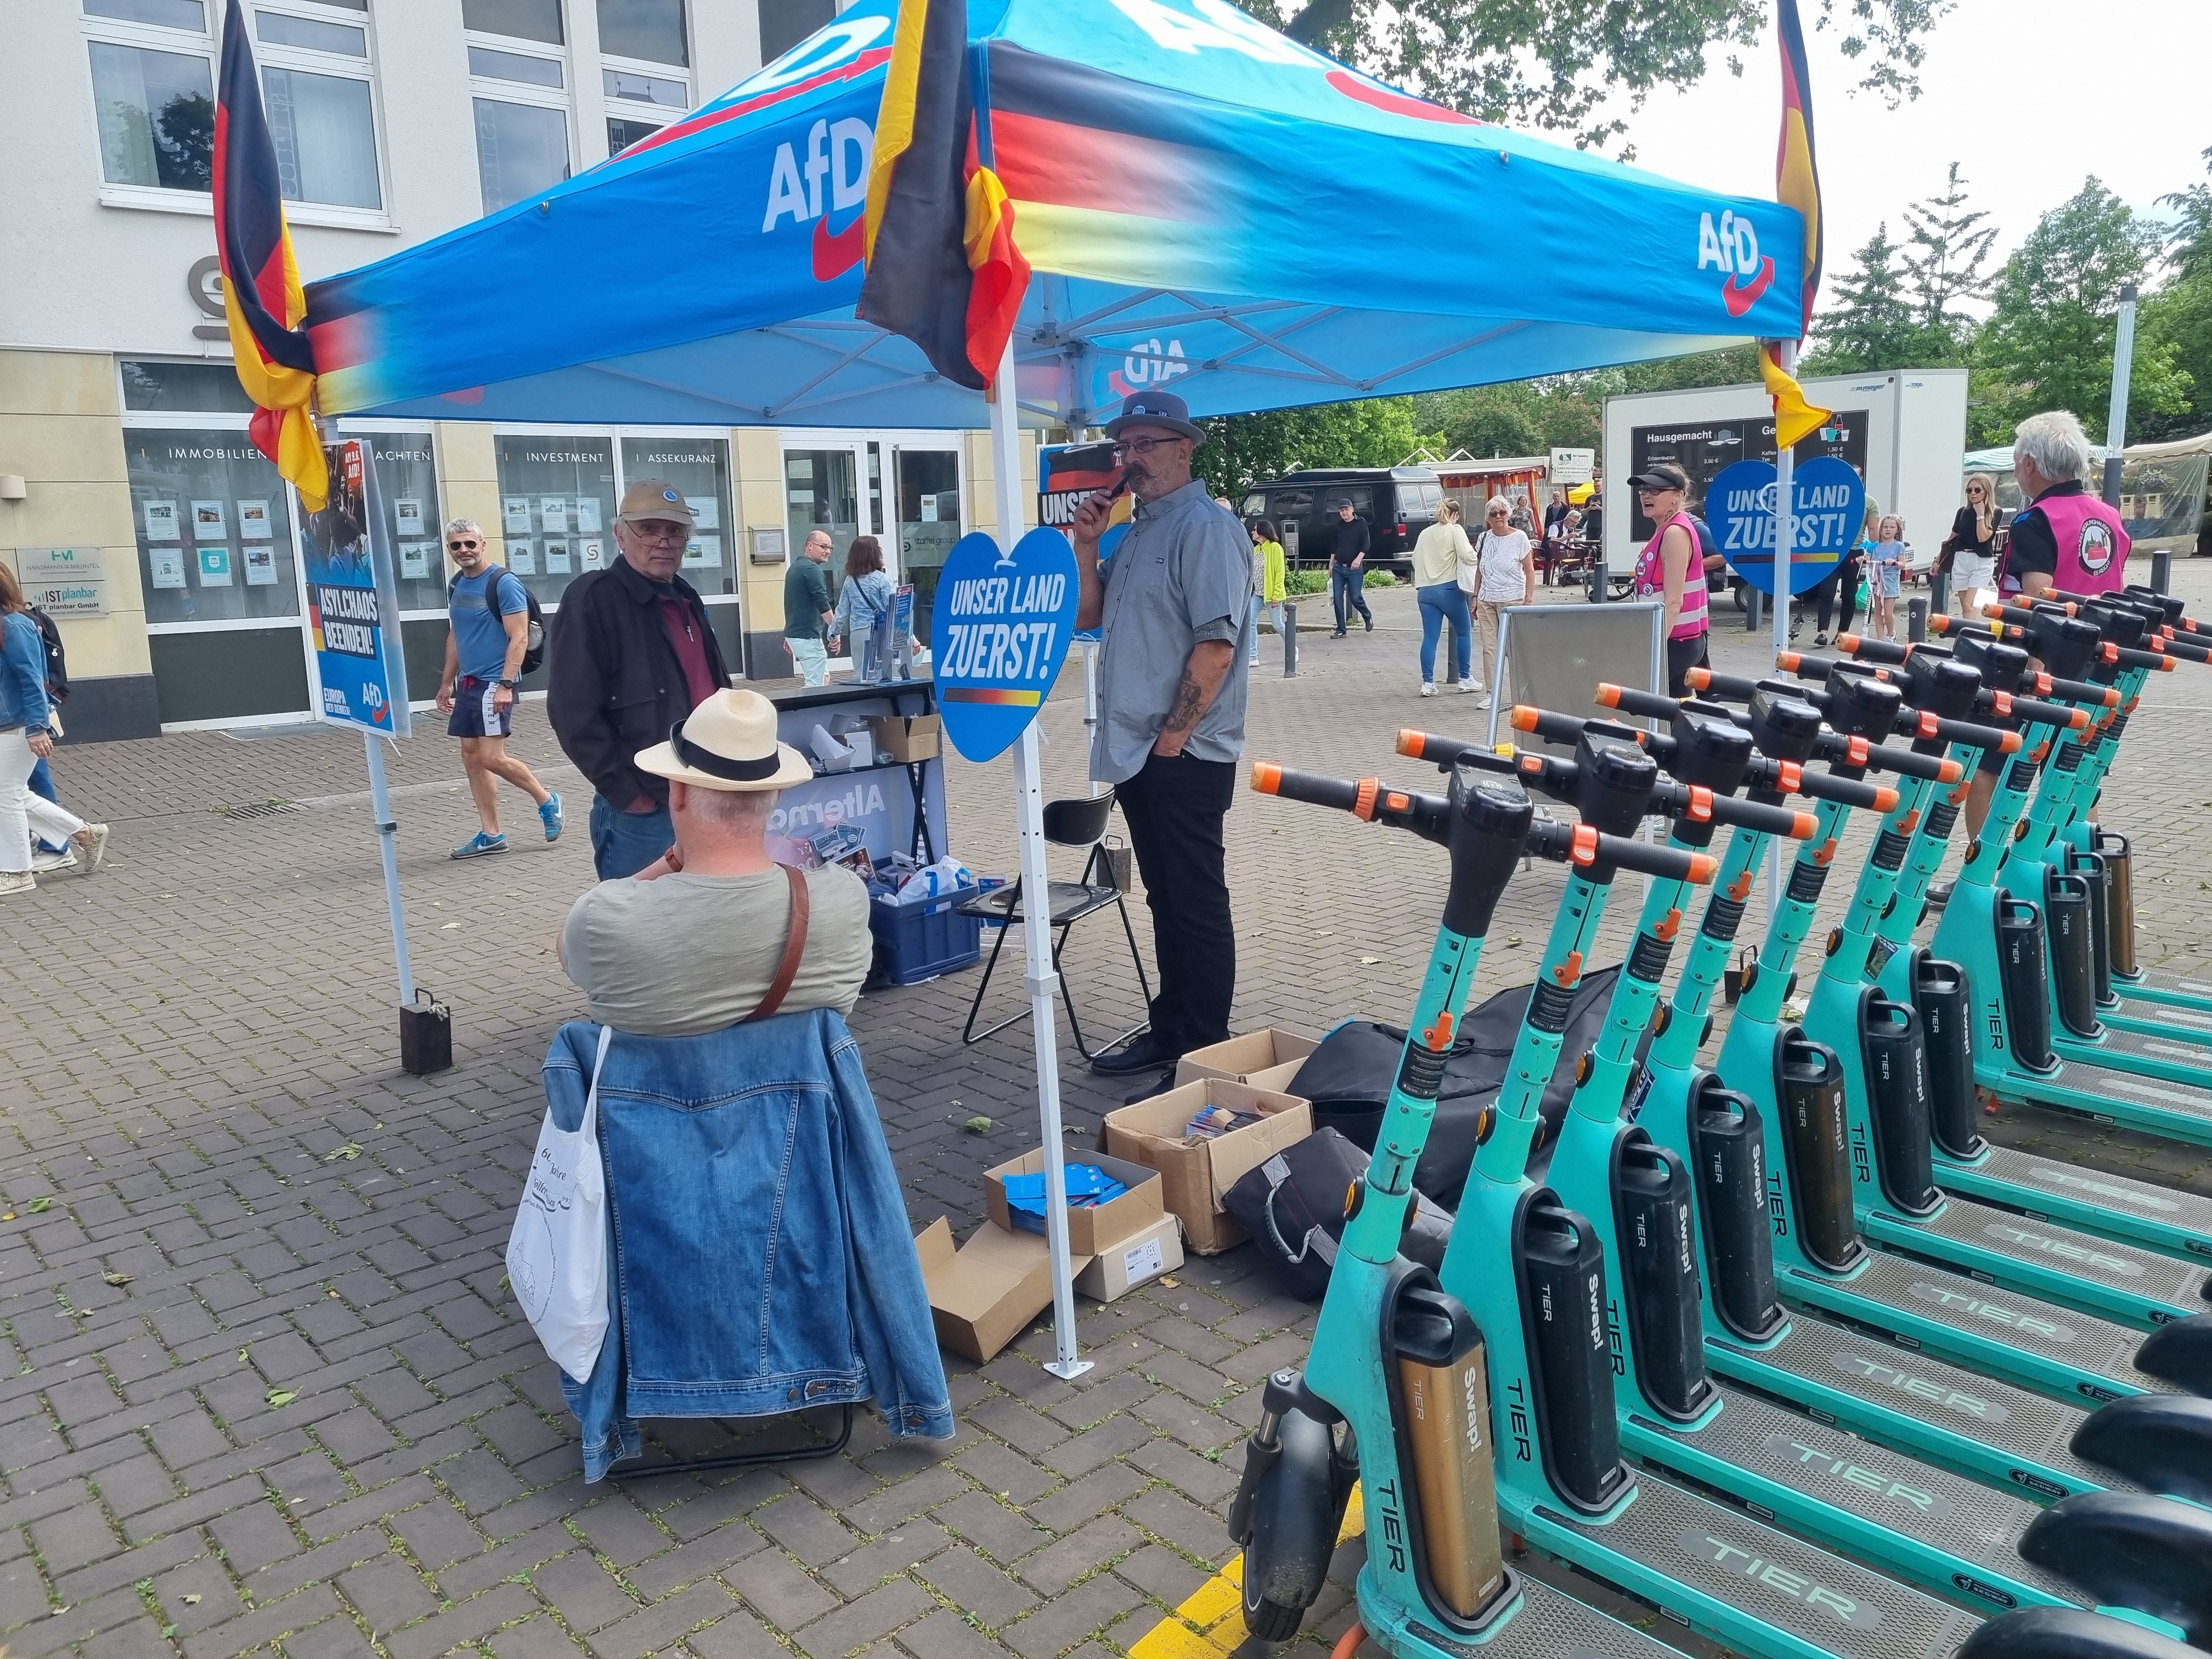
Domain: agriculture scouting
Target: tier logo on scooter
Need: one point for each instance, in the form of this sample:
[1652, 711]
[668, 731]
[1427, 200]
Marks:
[1791, 1448]
[1887, 1376]
[1750, 1565]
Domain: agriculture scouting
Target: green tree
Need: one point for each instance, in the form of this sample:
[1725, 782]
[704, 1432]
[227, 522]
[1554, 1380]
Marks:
[1948, 247]
[1241, 450]
[1558, 64]
[1868, 322]
[2178, 318]
[2048, 342]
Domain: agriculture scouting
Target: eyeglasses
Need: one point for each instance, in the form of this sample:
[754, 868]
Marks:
[1141, 447]
[1499, 512]
[462, 547]
[658, 530]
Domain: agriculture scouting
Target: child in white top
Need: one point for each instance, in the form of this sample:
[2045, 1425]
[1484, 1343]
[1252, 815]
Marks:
[1886, 575]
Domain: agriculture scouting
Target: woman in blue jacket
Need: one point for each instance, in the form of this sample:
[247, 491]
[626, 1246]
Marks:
[25, 738]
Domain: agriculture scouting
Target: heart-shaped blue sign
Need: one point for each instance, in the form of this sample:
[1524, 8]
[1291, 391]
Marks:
[1831, 501]
[999, 632]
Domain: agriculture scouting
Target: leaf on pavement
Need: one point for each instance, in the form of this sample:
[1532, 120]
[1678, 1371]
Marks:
[282, 1396]
[118, 1279]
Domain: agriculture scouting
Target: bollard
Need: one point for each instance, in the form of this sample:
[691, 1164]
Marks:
[2162, 571]
[1289, 641]
[1754, 606]
[1599, 589]
[1915, 619]
[1939, 591]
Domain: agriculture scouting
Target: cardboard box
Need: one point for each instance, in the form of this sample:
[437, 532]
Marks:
[1090, 1228]
[984, 1295]
[907, 737]
[1276, 1079]
[1192, 1179]
[1135, 1260]
[1240, 1058]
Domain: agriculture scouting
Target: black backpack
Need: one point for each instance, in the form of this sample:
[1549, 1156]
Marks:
[56, 659]
[533, 632]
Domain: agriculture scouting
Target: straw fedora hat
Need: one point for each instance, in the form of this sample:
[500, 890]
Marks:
[728, 742]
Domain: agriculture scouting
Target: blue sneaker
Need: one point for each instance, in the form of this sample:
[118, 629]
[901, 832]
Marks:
[550, 816]
[479, 844]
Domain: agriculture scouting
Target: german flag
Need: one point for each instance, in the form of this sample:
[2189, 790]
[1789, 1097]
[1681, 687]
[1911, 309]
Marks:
[1797, 183]
[942, 266]
[262, 297]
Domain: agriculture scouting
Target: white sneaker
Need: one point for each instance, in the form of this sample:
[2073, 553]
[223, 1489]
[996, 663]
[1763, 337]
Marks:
[1470, 687]
[1482, 702]
[1428, 690]
[91, 844]
[17, 881]
[46, 863]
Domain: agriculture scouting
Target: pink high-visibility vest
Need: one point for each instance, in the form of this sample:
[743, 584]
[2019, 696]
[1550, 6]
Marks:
[1651, 579]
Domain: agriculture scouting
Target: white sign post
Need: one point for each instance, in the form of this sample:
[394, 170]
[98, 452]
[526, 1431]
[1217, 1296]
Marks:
[1041, 980]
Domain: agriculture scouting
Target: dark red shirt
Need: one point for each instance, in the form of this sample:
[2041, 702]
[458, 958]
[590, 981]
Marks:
[686, 633]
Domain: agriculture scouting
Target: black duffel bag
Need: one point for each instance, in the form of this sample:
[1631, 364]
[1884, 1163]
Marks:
[1348, 1078]
[1293, 1206]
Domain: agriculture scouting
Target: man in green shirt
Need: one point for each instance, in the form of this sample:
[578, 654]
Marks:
[809, 611]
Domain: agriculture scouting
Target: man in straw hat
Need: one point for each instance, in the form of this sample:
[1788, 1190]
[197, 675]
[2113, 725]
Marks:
[716, 931]
[633, 653]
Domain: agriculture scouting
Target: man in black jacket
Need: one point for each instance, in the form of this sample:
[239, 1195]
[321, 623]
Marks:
[1348, 567]
[633, 655]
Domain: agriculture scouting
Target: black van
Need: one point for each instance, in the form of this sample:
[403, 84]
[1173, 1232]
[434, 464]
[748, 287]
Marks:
[1398, 502]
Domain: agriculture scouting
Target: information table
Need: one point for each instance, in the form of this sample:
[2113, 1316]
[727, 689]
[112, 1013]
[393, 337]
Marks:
[898, 806]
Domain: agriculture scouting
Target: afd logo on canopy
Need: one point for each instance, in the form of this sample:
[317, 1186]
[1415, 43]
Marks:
[1732, 245]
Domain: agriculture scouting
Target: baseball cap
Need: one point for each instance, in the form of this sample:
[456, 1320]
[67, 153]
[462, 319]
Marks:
[1661, 474]
[654, 498]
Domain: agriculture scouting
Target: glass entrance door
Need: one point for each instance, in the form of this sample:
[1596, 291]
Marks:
[927, 496]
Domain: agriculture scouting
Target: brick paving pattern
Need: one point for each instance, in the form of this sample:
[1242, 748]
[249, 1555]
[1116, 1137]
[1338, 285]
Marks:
[262, 1389]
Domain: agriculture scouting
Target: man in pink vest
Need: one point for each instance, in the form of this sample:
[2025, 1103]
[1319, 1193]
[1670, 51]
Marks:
[2068, 539]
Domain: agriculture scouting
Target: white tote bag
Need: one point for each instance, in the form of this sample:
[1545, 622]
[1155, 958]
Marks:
[557, 1256]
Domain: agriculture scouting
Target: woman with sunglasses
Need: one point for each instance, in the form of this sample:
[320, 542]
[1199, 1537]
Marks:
[1969, 558]
[1672, 569]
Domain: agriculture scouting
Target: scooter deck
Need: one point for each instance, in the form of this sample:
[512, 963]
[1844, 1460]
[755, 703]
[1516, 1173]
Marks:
[2164, 1219]
[1985, 1328]
[2152, 985]
[1942, 1530]
[2121, 1282]
[2184, 1023]
[2104, 1095]
[1668, 1541]
[1916, 1403]
[1547, 1625]
[2176, 1060]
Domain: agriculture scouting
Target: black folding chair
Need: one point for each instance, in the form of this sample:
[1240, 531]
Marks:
[1078, 822]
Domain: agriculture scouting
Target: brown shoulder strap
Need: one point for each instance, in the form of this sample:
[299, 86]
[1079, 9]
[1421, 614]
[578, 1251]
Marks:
[794, 946]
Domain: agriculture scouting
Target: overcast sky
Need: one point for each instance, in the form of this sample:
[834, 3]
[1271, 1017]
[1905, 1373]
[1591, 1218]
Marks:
[2028, 95]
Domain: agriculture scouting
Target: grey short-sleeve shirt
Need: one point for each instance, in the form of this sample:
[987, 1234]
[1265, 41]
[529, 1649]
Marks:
[1182, 574]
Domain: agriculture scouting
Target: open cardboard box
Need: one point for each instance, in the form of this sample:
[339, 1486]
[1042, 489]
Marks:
[982, 1295]
[1193, 1179]
[1090, 1228]
[1255, 1057]
[1135, 1260]
[907, 737]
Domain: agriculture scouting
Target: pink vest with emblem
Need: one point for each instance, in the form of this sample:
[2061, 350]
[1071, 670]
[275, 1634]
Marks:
[1651, 579]
[2092, 543]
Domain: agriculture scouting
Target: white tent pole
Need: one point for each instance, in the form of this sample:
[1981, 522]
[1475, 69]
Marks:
[1786, 537]
[1041, 979]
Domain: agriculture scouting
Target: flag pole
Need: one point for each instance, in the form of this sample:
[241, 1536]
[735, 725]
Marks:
[1043, 979]
[1786, 537]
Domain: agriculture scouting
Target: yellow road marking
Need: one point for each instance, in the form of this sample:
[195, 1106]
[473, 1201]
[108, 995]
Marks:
[1210, 1623]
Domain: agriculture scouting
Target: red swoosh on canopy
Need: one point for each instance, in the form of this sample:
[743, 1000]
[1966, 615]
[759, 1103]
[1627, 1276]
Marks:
[710, 118]
[1397, 103]
[1741, 300]
[835, 255]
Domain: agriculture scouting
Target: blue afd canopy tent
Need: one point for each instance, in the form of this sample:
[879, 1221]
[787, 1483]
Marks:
[1204, 202]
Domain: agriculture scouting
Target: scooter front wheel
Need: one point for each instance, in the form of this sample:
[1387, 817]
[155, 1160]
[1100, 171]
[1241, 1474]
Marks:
[1290, 1512]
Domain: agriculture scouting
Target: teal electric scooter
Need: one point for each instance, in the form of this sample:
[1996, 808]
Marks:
[1562, 1486]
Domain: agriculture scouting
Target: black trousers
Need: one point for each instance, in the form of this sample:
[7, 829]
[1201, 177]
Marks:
[1683, 655]
[1841, 582]
[1174, 809]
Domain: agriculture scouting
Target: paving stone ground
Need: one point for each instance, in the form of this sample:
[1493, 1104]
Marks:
[262, 1390]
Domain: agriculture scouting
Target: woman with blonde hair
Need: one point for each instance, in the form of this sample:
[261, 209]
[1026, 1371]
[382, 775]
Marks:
[1969, 558]
[1443, 571]
[27, 737]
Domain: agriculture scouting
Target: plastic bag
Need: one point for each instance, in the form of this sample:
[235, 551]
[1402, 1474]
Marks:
[947, 875]
[556, 1255]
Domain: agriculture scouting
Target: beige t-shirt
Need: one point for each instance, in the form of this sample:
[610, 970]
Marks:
[686, 954]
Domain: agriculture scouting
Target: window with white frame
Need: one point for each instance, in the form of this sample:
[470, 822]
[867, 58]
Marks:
[644, 62]
[152, 86]
[519, 87]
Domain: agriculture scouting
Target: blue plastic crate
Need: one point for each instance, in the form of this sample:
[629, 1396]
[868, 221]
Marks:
[924, 937]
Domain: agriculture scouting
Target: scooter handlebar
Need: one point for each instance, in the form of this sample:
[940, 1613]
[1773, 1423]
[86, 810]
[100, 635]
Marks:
[1888, 653]
[1312, 787]
[1919, 724]
[1644, 705]
[1582, 846]
[1724, 687]
[1850, 791]
[2036, 712]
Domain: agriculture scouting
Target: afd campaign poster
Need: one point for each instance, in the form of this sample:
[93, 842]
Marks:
[353, 599]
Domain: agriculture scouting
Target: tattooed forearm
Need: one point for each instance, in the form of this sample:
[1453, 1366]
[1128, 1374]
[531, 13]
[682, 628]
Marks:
[1189, 703]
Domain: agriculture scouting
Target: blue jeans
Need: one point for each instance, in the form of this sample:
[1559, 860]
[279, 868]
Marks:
[624, 843]
[1255, 630]
[1345, 595]
[1442, 603]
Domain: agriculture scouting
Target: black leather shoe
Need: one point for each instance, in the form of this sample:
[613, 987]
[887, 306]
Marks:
[1138, 1054]
[1161, 1085]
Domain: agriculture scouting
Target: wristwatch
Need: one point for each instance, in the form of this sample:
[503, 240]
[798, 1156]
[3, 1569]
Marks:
[512, 685]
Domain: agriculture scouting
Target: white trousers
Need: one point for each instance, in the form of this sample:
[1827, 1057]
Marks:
[22, 812]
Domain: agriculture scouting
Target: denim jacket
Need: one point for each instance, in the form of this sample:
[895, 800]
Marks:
[23, 674]
[762, 1261]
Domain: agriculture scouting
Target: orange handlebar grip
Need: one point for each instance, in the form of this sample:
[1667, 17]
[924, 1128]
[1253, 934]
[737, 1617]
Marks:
[1608, 695]
[1410, 742]
[1952, 772]
[1266, 777]
[2080, 722]
[1522, 719]
[1802, 830]
[1847, 642]
[1697, 679]
[1885, 798]
[2011, 744]
[1704, 866]
[1788, 661]
[1939, 623]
